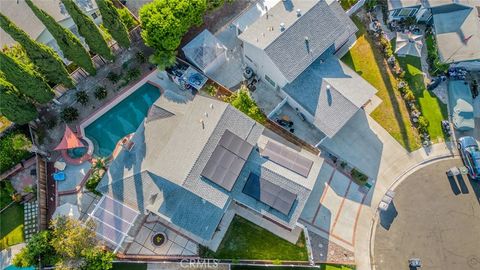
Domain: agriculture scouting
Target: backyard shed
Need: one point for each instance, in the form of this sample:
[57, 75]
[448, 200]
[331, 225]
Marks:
[205, 51]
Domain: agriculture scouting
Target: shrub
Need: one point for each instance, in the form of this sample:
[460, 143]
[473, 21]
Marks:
[133, 74]
[113, 77]
[359, 176]
[6, 192]
[14, 147]
[101, 93]
[140, 57]
[70, 45]
[88, 30]
[112, 21]
[93, 181]
[69, 114]
[44, 57]
[244, 103]
[423, 124]
[210, 89]
[82, 97]
[127, 18]
[370, 4]
[409, 96]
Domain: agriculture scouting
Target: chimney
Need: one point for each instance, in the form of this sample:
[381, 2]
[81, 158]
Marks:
[282, 27]
[299, 12]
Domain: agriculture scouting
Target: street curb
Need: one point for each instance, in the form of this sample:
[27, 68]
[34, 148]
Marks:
[394, 185]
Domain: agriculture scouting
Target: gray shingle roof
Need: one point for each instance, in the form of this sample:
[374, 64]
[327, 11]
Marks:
[147, 191]
[162, 172]
[331, 108]
[324, 25]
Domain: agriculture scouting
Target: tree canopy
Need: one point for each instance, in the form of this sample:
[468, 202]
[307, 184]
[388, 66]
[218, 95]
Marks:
[44, 57]
[70, 45]
[70, 244]
[13, 106]
[88, 30]
[113, 23]
[165, 22]
[27, 81]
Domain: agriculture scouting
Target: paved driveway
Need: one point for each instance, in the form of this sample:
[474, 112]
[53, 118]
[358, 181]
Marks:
[434, 218]
[333, 207]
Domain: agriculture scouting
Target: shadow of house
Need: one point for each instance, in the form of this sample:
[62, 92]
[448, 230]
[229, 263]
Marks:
[358, 145]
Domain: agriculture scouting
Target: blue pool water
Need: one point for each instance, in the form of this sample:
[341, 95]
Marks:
[121, 120]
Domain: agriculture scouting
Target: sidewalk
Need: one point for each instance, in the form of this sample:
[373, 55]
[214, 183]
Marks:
[395, 162]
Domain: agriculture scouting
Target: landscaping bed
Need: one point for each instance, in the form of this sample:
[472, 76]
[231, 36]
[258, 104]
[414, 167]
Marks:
[247, 241]
[429, 105]
[392, 114]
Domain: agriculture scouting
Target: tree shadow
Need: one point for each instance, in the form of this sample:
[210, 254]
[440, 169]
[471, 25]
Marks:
[384, 72]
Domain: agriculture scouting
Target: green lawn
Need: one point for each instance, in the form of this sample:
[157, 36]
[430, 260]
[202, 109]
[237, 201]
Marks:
[430, 106]
[11, 226]
[245, 240]
[392, 114]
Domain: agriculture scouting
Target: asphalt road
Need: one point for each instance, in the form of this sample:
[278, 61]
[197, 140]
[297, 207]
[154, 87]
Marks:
[434, 218]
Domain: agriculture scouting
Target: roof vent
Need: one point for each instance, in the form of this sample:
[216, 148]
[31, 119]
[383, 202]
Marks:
[206, 114]
[307, 44]
[299, 12]
[211, 106]
[328, 86]
[282, 26]
[203, 123]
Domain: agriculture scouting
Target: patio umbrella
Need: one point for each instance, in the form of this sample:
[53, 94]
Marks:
[68, 210]
[408, 44]
[69, 140]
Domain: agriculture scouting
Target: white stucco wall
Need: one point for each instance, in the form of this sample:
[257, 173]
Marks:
[262, 64]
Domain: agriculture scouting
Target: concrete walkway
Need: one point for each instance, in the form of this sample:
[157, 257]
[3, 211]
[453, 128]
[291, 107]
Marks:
[395, 162]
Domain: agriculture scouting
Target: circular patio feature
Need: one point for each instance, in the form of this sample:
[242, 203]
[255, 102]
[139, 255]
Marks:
[159, 239]
[432, 217]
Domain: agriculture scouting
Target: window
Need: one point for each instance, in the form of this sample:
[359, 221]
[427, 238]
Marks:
[270, 80]
[95, 15]
[406, 12]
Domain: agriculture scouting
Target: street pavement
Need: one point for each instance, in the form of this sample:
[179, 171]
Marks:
[434, 218]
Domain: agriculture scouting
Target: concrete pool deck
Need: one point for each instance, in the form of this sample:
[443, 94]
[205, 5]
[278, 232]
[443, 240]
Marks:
[156, 78]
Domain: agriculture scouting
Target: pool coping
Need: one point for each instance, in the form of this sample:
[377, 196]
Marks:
[110, 104]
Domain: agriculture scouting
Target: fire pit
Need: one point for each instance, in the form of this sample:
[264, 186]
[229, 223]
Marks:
[159, 239]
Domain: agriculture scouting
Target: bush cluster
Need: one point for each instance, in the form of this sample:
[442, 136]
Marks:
[14, 148]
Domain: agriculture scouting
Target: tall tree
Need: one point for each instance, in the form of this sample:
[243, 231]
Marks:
[27, 81]
[165, 22]
[70, 45]
[44, 57]
[16, 108]
[89, 30]
[113, 23]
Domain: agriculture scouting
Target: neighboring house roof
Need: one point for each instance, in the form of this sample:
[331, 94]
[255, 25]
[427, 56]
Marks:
[162, 172]
[458, 33]
[395, 4]
[322, 23]
[20, 13]
[204, 49]
[331, 92]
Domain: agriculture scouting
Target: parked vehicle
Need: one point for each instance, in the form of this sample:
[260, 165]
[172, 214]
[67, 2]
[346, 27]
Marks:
[470, 153]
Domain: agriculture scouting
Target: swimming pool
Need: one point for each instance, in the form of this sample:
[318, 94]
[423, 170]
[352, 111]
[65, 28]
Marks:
[121, 120]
